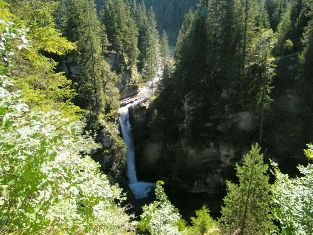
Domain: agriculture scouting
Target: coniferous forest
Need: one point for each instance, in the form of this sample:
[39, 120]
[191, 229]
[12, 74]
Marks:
[161, 117]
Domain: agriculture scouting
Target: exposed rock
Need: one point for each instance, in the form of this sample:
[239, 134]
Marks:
[128, 92]
[199, 169]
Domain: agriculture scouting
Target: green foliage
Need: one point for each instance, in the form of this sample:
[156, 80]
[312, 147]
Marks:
[89, 75]
[279, 9]
[38, 16]
[92, 76]
[294, 18]
[170, 15]
[33, 73]
[307, 60]
[262, 71]
[293, 201]
[165, 50]
[309, 152]
[247, 204]
[47, 187]
[148, 40]
[203, 224]
[216, 48]
[159, 217]
[93, 79]
[122, 34]
[49, 184]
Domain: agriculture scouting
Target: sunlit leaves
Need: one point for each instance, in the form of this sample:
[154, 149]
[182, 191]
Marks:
[293, 198]
[160, 217]
[47, 184]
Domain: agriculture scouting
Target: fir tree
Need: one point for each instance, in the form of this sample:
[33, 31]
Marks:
[280, 7]
[34, 72]
[170, 15]
[122, 33]
[291, 27]
[153, 46]
[261, 73]
[164, 46]
[307, 72]
[148, 43]
[82, 25]
[247, 204]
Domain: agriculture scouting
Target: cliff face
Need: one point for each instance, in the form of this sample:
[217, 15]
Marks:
[197, 169]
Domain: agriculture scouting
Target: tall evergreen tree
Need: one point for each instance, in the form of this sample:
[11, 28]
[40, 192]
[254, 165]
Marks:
[307, 74]
[261, 73]
[253, 20]
[93, 79]
[122, 34]
[247, 204]
[153, 46]
[291, 27]
[34, 72]
[170, 15]
[148, 42]
[164, 47]
[81, 25]
[280, 7]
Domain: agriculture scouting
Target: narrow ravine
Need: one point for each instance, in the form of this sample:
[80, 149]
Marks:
[140, 189]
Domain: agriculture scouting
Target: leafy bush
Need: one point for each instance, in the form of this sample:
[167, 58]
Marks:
[48, 184]
[294, 200]
[160, 217]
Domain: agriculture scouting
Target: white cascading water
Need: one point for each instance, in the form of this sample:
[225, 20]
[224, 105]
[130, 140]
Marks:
[140, 189]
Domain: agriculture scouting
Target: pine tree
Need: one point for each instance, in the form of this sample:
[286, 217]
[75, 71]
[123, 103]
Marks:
[253, 17]
[153, 46]
[247, 204]
[261, 72]
[264, 79]
[170, 15]
[93, 79]
[34, 72]
[164, 46]
[148, 42]
[122, 33]
[82, 25]
[291, 27]
[280, 7]
[307, 71]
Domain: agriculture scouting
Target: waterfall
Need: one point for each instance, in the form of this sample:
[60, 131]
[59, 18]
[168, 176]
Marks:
[128, 138]
[140, 189]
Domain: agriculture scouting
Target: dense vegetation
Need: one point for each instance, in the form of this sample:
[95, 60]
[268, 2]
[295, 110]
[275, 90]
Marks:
[236, 80]
[241, 74]
[170, 15]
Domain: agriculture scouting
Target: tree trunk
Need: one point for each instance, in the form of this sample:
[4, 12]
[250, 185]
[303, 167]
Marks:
[262, 119]
[244, 51]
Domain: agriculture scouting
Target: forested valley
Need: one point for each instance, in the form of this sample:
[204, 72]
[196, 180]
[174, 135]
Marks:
[159, 117]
